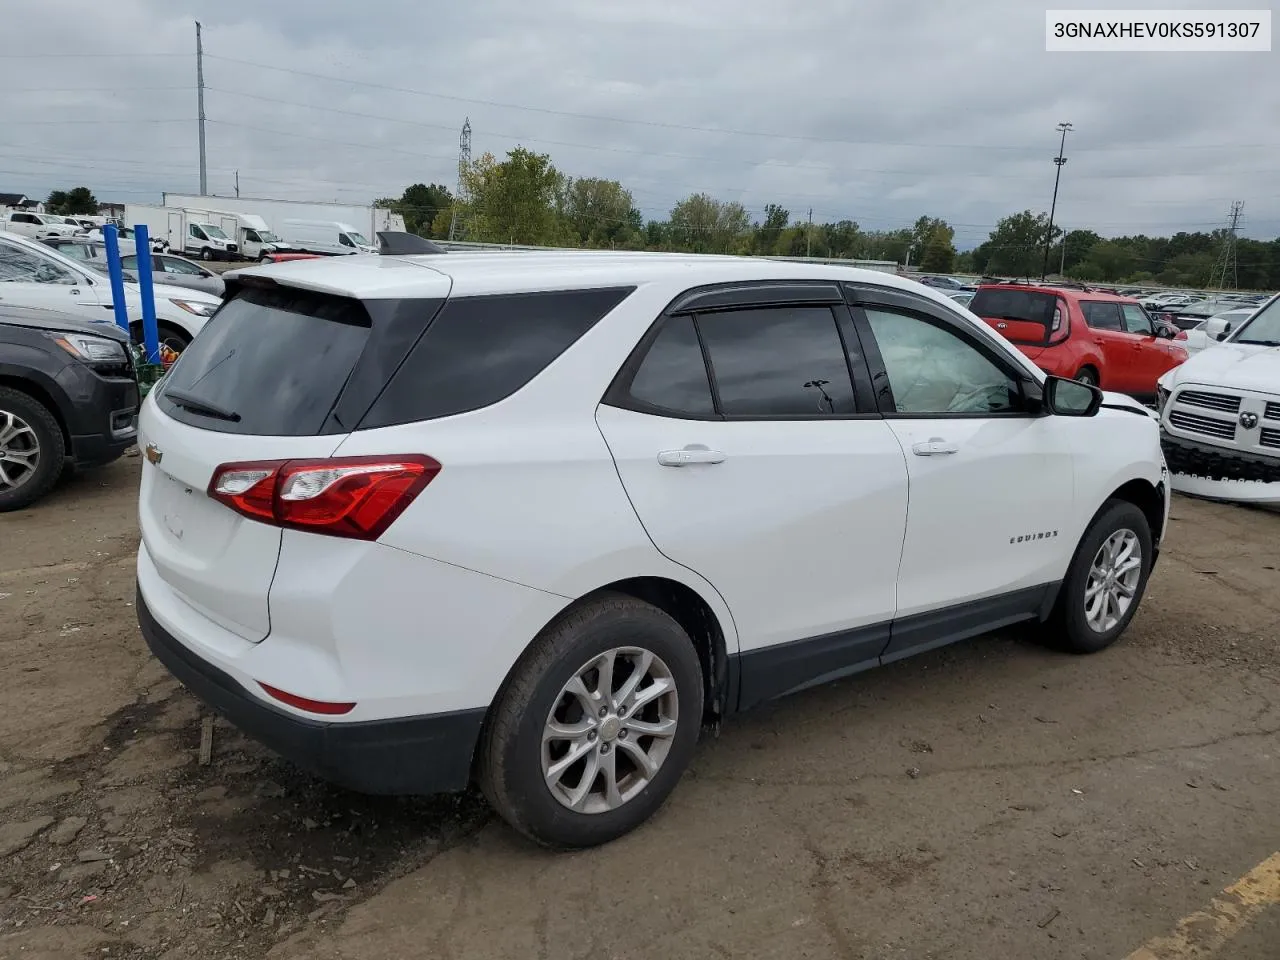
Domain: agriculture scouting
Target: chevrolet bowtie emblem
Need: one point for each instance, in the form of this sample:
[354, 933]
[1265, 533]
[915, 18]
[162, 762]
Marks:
[153, 453]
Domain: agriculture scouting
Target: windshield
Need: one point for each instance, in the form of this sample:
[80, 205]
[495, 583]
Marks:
[359, 239]
[266, 236]
[213, 232]
[1263, 328]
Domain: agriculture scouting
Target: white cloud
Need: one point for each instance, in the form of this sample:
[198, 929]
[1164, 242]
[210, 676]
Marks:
[893, 110]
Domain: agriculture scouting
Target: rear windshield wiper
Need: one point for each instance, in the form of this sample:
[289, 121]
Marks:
[1261, 343]
[196, 405]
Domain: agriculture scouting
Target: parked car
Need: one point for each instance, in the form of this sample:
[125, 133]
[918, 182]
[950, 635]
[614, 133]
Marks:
[33, 275]
[1220, 412]
[68, 394]
[341, 554]
[1198, 339]
[178, 272]
[36, 225]
[1186, 317]
[946, 284]
[1097, 338]
[126, 239]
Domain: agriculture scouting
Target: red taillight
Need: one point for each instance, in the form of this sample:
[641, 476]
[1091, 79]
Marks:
[1058, 332]
[304, 703]
[357, 497]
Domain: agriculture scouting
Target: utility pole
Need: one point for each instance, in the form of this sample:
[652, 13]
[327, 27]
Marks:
[237, 184]
[1062, 267]
[204, 176]
[1059, 160]
[464, 164]
[808, 239]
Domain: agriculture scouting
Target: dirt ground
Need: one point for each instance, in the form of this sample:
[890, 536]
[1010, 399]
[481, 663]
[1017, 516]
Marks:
[990, 800]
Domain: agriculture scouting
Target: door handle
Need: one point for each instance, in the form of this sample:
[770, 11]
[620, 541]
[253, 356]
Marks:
[693, 453]
[934, 447]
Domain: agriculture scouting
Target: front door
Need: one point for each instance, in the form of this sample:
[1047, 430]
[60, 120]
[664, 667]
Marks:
[1152, 355]
[989, 481]
[770, 481]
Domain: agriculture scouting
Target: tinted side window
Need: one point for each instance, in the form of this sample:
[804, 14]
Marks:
[778, 361]
[1136, 319]
[480, 350]
[1100, 315]
[673, 376]
[934, 371]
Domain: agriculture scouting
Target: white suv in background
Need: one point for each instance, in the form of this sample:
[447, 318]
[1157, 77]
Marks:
[36, 275]
[534, 519]
[1220, 411]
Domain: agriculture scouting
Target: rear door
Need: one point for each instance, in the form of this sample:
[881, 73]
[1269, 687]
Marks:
[1118, 348]
[263, 381]
[769, 478]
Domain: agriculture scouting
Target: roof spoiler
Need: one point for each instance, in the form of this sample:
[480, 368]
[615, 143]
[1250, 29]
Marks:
[399, 243]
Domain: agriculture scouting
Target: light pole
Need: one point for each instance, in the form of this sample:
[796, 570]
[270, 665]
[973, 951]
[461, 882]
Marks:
[1059, 160]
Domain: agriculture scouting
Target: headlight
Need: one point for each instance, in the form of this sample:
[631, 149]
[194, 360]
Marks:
[90, 349]
[197, 307]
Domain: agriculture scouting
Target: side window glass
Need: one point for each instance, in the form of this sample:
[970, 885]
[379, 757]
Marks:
[778, 361]
[17, 266]
[1100, 315]
[932, 370]
[1136, 319]
[345, 240]
[672, 375]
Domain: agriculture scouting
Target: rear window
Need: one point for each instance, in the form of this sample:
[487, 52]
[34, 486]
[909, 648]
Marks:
[480, 350]
[1027, 305]
[270, 362]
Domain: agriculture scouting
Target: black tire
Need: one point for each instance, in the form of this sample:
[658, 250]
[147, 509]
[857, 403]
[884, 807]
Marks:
[509, 764]
[32, 485]
[1087, 375]
[206, 254]
[1068, 624]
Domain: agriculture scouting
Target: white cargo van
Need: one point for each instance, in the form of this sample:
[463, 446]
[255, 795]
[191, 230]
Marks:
[326, 236]
[256, 238]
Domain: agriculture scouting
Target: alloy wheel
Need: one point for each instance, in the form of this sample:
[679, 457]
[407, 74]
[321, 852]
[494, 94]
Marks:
[610, 730]
[19, 451]
[1113, 580]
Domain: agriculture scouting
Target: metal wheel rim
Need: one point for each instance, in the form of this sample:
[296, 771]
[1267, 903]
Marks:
[19, 451]
[1113, 580]
[610, 730]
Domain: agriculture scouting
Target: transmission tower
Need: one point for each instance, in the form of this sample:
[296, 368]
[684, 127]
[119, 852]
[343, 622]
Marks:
[1224, 276]
[464, 163]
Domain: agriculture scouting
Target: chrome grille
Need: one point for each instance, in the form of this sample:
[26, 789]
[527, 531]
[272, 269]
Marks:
[1209, 426]
[1210, 401]
[1272, 412]
[1270, 438]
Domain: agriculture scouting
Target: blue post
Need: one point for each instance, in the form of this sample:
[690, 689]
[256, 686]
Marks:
[150, 334]
[112, 237]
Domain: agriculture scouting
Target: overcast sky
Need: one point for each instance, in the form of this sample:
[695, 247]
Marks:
[872, 110]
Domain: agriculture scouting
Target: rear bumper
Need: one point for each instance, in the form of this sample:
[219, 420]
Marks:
[402, 756]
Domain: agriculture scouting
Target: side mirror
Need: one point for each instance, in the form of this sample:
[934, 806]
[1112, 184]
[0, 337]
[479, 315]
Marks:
[1215, 328]
[1071, 398]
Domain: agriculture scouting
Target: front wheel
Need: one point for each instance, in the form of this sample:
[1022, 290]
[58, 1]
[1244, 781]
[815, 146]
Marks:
[1087, 375]
[31, 449]
[596, 724]
[206, 254]
[1106, 580]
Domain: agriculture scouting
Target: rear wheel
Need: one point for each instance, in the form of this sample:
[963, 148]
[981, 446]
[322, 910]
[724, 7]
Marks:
[1088, 375]
[31, 449]
[1106, 580]
[595, 726]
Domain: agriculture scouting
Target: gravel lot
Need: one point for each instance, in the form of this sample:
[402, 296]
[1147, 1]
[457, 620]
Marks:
[993, 799]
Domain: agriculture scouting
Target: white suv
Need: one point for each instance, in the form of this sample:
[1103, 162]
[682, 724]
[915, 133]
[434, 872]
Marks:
[534, 519]
[1220, 411]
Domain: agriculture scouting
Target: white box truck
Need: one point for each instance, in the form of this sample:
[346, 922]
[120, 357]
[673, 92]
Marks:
[195, 232]
[332, 237]
[365, 218]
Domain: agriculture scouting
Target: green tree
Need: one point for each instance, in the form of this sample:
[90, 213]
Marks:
[841, 239]
[1016, 246]
[420, 205]
[515, 201]
[702, 224]
[765, 238]
[1078, 244]
[77, 200]
[601, 213]
[1109, 261]
[939, 252]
